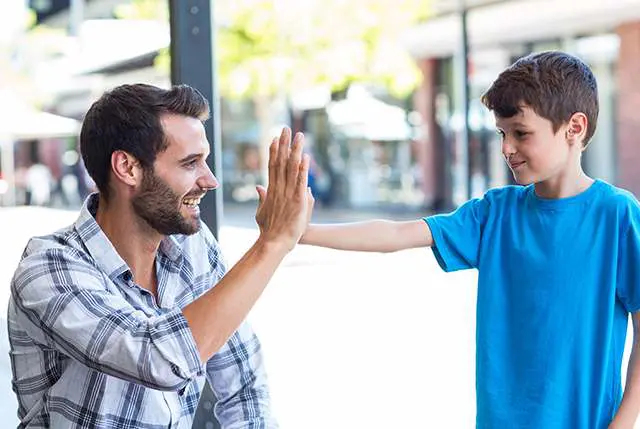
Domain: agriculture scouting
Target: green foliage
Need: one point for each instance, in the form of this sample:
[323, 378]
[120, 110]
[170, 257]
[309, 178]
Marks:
[266, 47]
[143, 9]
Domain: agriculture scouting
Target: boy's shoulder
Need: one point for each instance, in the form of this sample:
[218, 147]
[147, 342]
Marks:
[621, 201]
[611, 195]
[618, 196]
[506, 194]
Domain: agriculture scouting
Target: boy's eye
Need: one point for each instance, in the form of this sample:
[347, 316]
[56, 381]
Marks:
[520, 134]
[500, 134]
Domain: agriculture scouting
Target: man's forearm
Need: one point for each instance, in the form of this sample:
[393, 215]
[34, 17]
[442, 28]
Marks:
[218, 313]
[627, 414]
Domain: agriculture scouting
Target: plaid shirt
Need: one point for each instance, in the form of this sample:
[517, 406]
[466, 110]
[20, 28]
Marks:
[91, 349]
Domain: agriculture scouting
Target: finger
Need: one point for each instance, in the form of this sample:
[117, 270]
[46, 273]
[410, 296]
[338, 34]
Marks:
[283, 154]
[295, 158]
[310, 202]
[303, 177]
[262, 193]
[273, 160]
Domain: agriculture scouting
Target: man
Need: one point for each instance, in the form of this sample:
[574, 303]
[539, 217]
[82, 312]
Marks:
[114, 322]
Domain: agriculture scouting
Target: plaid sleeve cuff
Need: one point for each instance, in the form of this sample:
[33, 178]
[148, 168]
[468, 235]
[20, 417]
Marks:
[186, 346]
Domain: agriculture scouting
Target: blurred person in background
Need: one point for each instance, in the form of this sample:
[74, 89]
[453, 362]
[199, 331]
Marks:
[38, 185]
[117, 320]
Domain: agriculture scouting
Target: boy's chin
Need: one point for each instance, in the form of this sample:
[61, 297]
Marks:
[523, 181]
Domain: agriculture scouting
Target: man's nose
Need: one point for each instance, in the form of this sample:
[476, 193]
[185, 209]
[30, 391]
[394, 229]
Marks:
[208, 180]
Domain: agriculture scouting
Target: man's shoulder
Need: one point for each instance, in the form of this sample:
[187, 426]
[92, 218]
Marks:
[56, 254]
[65, 241]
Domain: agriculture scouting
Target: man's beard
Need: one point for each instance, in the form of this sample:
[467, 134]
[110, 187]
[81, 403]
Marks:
[159, 206]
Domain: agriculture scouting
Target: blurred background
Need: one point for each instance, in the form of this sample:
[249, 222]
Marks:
[387, 93]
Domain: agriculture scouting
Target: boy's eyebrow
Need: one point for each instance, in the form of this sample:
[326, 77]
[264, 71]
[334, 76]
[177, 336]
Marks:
[514, 124]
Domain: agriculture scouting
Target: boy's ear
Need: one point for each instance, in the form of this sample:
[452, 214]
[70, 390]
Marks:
[577, 128]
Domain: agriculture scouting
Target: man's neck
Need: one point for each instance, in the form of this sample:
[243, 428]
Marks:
[136, 243]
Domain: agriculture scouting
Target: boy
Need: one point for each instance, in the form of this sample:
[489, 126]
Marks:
[557, 260]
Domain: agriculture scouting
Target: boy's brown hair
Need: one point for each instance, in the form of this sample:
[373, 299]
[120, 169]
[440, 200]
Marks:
[554, 84]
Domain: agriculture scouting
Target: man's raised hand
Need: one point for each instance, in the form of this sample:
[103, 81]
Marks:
[285, 207]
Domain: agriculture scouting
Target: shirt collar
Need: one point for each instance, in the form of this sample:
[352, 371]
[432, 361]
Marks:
[100, 248]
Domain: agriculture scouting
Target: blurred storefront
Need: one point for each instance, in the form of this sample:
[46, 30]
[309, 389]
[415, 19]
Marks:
[370, 162]
[604, 34]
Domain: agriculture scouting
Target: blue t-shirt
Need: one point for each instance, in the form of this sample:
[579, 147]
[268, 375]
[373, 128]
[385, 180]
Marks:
[556, 281]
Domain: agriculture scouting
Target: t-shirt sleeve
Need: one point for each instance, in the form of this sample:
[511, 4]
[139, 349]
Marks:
[457, 235]
[629, 261]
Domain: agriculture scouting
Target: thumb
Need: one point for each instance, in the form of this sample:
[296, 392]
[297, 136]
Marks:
[310, 203]
[262, 193]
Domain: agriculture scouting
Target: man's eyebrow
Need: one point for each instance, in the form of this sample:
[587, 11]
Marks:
[191, 157]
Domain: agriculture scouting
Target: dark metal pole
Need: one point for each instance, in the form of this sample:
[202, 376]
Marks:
[192, 63]
[466, 133]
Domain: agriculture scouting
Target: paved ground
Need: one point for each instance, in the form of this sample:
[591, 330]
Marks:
[351, 340]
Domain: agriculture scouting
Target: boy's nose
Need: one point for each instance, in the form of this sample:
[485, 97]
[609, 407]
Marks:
[507, 149]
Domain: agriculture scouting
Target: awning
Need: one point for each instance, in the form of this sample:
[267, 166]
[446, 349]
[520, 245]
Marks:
[19, 121]
[519, 21]
[362, 116]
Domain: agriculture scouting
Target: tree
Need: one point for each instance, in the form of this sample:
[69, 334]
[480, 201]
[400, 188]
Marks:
[267, 47]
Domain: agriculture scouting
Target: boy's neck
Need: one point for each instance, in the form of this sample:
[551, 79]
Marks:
[564, 185]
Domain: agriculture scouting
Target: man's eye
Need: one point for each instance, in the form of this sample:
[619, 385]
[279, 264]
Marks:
[191, 164]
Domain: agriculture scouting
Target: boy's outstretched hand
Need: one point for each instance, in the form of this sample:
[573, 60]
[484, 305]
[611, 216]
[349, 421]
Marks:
[285, 208]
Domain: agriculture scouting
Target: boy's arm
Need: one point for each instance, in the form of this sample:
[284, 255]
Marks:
[370, 236]
[630, 407]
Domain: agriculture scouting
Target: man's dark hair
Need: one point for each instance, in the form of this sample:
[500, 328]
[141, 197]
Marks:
[128, 118]
[554, 84]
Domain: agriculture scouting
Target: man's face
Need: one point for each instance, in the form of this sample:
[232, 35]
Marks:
[532, 150]
[169, 195]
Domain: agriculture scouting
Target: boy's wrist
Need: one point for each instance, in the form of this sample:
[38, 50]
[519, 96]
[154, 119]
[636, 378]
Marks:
[304, 239]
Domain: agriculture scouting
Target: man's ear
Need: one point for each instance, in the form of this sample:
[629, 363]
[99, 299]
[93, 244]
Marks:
[126, 168]
[577, 128]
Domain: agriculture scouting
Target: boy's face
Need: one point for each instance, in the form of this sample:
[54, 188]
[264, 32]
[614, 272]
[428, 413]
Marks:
[532, 150]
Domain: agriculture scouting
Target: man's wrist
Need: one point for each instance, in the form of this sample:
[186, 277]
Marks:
[274, 246]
